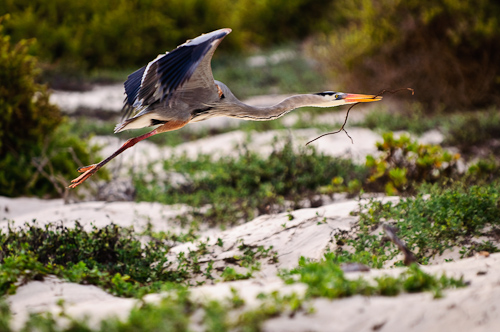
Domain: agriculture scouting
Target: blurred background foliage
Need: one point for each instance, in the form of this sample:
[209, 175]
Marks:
[126, 33]
[447, 50]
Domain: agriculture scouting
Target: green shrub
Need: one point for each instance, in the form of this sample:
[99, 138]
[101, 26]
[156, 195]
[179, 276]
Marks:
[112, 257]
[411, 119]
[449, 56]
[38, 155]
[467, 130]
[27, 115]
[483, 171]
[434, 220]
[405, 163]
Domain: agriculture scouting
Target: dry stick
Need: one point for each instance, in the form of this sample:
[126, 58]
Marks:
[347, 115]
[410, 258]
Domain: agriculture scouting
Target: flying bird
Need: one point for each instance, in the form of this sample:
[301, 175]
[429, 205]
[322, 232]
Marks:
[178, 87]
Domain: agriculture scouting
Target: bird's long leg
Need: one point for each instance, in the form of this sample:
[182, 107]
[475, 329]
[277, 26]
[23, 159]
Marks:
[91, 169]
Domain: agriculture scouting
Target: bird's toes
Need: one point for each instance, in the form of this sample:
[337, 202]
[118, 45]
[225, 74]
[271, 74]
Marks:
[86, 168]
[79, 180]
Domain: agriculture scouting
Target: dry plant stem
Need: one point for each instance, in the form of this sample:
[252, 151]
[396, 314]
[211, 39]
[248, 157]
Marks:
[381, 93]
[57, 181]
[391, 234]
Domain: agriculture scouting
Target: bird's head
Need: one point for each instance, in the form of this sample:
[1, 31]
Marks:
[332, 98]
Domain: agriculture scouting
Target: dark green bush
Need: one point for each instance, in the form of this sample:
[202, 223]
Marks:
[26, 112]
[467, 130]
[112, 257]
[411, 119]
[37, 155]
[448, 51]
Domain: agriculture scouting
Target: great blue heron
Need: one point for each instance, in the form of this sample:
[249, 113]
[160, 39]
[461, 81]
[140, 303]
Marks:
[178, 87]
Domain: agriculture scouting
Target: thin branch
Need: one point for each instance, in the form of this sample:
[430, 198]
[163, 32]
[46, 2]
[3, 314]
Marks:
[342, 128]
[409, 257]
[338, 131]
[56, 180]
[39, 166]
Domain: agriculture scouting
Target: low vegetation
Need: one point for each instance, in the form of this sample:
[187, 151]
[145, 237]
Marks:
[240, 188]
[176, 310]
[325, 278]
[111, 257]
[463, 130]
[466, 219]
[235, 189]
[115, 258]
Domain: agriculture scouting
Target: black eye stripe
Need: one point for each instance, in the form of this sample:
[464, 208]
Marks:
[326, 93]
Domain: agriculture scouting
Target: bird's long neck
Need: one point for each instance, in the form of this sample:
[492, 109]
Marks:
[255, 113]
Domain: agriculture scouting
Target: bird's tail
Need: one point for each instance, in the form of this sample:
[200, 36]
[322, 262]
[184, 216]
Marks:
[122, 126]
[140, 121]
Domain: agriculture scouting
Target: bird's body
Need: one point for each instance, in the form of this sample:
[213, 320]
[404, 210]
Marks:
[178, 87]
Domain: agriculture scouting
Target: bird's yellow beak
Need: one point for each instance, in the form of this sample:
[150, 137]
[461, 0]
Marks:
[354, 98]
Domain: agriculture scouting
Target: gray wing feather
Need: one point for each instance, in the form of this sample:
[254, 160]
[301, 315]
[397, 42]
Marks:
[183, 74]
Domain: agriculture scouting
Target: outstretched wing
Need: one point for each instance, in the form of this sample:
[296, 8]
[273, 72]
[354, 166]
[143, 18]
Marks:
[187, 67]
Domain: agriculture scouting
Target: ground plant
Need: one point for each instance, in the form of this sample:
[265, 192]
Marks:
[434, 221]
[405, 163]
[460, 129]
[109, 248]
[325, 278]
[236, 189]
[115, 258]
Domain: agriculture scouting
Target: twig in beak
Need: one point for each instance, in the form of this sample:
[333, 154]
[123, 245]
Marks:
[381, 93]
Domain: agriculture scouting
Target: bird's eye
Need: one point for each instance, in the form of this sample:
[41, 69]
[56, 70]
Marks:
[337, 96]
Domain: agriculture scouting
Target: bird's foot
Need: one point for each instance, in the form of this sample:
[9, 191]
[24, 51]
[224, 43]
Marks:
[87, 172]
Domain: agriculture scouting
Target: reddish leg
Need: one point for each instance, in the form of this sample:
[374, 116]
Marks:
[91, 169]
